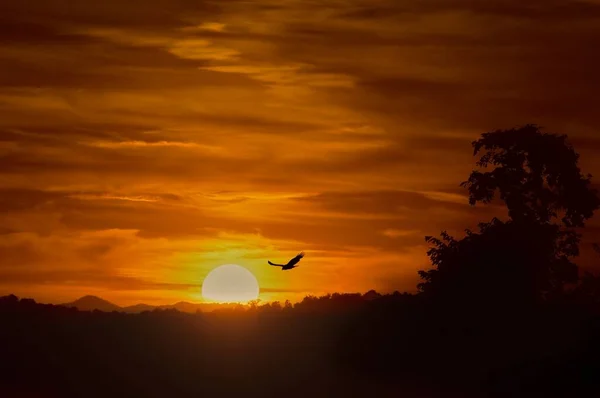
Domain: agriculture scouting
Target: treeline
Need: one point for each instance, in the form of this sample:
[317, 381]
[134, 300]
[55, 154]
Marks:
[396, 344]
[258, 350]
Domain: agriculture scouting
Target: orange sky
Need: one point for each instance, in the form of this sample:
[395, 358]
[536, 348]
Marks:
[143, 143]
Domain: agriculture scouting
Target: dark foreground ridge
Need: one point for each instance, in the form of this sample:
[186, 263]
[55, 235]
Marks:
[338, 345]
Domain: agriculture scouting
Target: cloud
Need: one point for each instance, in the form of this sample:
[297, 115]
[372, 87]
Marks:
[202, 49]
[236, 131]
[205, 26]
[114, 197]
[142, 144]
[293, 78]
[386, 202]
[87, 260]
[397, 233]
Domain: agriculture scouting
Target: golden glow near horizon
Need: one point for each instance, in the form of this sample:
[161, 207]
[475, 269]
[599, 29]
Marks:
[230, 284]
[141, 146]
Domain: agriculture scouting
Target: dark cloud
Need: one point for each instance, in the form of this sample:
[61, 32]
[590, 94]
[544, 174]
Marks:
[532, 9]
[137, 13]
[376, 202]
[21, 255]
[94, 210]
[13, 31]
[14, 200]
[361, 219]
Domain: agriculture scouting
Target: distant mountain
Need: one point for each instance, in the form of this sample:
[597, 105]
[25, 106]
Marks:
[184, 306]
[134, 309]
[91, 303]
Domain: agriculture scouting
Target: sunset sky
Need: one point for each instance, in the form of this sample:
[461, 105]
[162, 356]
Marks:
[143, 143]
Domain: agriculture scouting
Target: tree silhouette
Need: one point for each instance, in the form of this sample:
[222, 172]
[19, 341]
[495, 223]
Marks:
[536, 175]
[528, 257]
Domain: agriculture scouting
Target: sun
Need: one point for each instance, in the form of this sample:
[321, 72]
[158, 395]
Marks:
[230, 284]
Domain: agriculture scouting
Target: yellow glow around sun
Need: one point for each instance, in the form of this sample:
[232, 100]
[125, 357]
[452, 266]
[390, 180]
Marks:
[230, 283]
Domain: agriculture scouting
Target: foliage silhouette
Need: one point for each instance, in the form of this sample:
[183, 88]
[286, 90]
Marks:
[529, 257]
[536, 175]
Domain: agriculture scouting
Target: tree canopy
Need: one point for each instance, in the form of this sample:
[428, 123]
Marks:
[536, 174]
[529, 256]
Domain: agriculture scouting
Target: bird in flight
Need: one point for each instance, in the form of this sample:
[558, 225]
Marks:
[291, 264]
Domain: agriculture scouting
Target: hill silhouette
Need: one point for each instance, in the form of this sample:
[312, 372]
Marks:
[137, 308]
[91, 303]
[94, 303]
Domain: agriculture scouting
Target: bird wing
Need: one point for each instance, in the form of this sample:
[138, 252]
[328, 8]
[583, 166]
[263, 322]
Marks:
[296, 259]
[275, 265]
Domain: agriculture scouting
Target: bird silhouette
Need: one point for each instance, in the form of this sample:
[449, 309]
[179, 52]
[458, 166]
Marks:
[291, 264]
